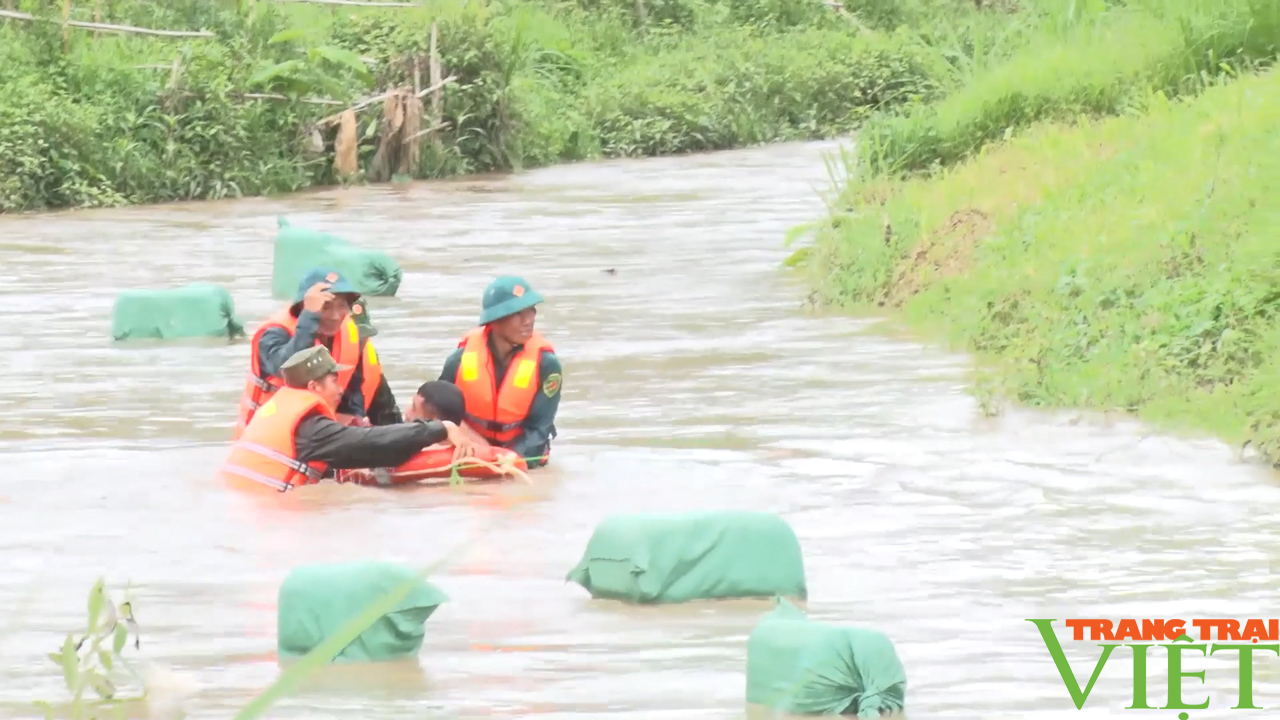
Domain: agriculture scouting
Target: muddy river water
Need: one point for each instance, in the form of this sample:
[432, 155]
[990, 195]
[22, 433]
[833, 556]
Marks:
[693, 379]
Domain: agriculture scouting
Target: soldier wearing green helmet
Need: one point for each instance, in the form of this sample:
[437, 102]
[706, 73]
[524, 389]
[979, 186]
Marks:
[508, 373]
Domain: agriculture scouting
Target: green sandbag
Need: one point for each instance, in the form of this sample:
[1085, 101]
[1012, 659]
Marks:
[299, 250]
[317, 600]
[197, 310]
[650, 558]
[803, 667]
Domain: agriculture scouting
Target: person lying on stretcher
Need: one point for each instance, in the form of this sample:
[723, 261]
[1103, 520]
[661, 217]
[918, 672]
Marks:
[443, 401]
[439, 401]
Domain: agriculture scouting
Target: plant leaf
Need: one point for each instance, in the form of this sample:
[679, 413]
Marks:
[343, 56]
[267, 74]
[104, 657]
[70, 662]
[285, 36]
[798, 258]
[96, 596]
[102, 686]
[122, 637]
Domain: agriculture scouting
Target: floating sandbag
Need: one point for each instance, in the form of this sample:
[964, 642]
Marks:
[197, 310]
[317, 600]
[801, 667]
[648, 558]
[300, 250]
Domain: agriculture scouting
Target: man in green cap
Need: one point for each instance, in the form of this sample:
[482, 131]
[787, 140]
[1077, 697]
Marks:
[319, 315]
[508, 373]
[295, 438]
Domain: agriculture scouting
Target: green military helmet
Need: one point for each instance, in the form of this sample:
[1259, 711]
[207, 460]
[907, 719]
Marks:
[507, 296]
[360, 315]
[338, 285]
[308, 365]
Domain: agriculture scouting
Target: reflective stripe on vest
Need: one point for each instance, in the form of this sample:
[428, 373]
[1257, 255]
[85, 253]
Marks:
[498, 412]
[371, 375]
[265, 454]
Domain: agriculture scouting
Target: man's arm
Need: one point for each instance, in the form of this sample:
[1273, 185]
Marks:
[276, 345]
[346, 448]
[540, 425]
[450, 371]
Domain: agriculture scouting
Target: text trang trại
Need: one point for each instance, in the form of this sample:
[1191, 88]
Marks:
[1217, 636]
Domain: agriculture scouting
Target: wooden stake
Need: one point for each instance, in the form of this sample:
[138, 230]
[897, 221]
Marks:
[437, 99]
[66, 29]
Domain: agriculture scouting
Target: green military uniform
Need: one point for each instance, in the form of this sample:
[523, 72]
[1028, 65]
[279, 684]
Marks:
[501, 301]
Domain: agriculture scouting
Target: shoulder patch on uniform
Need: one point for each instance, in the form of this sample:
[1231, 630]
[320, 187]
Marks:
[551, 385]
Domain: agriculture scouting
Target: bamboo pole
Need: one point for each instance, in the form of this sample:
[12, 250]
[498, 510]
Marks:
[431, 129]
[438, 87]
[437, 98]
[377, 98]
[274, 96]
[66, 30]
[14, 15]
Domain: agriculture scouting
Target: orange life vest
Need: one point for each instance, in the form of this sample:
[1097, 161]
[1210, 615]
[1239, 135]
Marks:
[346, 351]
[267, 452]
[498, 413]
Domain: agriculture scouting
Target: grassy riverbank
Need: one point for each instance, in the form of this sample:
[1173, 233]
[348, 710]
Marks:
[1124, 263]
[116, 119]
[1088, 60]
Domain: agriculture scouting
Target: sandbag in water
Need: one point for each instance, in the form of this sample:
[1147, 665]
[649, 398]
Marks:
[196, 310]
[299, 250]
[799, 666]
[652, 558]
[315, 602]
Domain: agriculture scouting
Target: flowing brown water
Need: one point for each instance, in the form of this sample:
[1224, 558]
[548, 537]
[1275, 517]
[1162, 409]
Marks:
[693, 379]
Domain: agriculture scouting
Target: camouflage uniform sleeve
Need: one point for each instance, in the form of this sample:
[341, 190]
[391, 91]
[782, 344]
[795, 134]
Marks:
[450, 371]
[540, 425]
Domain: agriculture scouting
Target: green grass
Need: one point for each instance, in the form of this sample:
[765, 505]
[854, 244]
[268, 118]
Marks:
[1126, 263]
[1087, 60]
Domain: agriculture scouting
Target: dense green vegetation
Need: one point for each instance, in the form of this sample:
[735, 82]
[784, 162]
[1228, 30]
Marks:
[113, 119]
[1093, 215]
